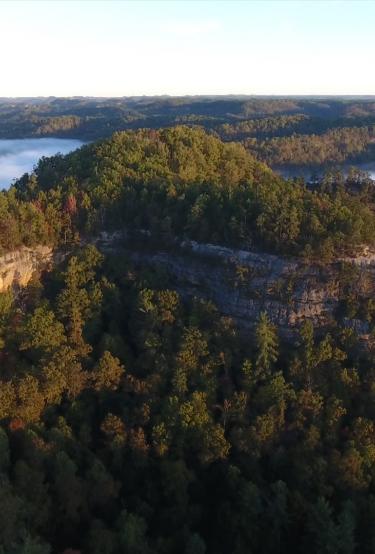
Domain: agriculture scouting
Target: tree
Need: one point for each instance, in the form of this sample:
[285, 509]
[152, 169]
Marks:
[31, 400]
[4, 452]
[266, 343]
[27, 545]
[132, 534]
[42, 332]
[322, 529]
[346, 528]
[108, 373]
[195, 545]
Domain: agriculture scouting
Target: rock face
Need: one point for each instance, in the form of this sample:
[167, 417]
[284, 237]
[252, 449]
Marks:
[17, 268]
[242, 284]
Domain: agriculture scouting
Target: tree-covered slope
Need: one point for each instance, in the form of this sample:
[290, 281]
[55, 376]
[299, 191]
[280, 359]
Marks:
[135, 421]
[187, 183]
[335, 146]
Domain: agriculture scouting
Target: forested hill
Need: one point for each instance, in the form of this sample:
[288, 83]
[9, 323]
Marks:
[138, 420]
[93, 118]
[284, 131]
[182, 182]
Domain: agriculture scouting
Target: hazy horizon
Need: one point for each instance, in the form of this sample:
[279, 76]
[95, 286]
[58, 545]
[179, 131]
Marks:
[198, 95]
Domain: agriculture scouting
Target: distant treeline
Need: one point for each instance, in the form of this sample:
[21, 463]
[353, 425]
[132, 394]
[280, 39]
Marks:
[334, 146]
[279, 131]
[284, 125]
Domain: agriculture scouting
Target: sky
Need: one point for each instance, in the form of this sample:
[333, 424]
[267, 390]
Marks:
[125, 48]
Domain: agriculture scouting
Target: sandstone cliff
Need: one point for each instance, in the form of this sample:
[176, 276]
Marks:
[17, 267]
[240, 283]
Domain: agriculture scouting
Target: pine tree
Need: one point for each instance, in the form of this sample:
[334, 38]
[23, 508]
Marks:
[267, 344]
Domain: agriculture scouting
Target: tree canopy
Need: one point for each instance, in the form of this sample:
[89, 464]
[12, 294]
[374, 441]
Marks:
[132, 420]
[184, 183]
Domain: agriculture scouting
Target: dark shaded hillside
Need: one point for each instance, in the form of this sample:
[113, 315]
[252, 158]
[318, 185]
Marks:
[134, 421]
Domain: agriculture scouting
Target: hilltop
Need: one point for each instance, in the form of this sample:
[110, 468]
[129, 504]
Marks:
[184, 182]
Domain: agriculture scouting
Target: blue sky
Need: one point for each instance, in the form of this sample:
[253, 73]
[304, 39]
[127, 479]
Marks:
[195, 47]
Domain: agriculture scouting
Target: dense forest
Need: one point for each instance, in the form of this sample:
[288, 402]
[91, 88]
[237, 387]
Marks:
[335, 146]
[185, 183]
[298, 131]
[137, 421]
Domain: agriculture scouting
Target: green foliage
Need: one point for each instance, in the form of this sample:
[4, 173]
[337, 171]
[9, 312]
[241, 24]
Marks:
[183, 182]
[42, 331]
[209, 442]
[108, 372]
[132, 531]
[267, 343]
[333, 146]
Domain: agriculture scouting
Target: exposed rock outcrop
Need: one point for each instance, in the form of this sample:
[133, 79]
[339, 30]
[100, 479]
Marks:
[241, 284]
[18, 267]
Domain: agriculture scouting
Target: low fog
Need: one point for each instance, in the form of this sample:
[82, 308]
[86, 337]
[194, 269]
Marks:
[18, 156]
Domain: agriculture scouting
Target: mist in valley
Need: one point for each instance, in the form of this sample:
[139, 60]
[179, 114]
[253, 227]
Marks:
[18, 156]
